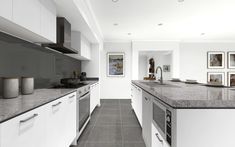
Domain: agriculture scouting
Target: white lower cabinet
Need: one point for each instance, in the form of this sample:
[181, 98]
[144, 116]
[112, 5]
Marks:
[157, 140]
[95, 96]
[26, 130]
[51, 125]
[136, 98]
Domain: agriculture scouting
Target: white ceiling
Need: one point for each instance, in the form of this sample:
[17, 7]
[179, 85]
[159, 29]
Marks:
[181, 20]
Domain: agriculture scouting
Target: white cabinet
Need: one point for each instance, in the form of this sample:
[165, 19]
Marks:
[157, 139]
[27, 13]
[137, 102]
[6, 9]
[70, 102]
[82, 45]
[26, 130]
[95, 96]
[48, 20]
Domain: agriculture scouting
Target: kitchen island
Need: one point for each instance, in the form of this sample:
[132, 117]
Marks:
[200, 116]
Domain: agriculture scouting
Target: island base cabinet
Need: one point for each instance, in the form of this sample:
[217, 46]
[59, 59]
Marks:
[205, 128]
[26, 130]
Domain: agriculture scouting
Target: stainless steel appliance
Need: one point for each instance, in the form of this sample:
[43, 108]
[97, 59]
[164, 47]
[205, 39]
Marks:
[162, 118]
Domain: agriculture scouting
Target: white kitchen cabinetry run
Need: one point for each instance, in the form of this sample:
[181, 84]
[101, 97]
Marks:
[95, 96]
[53, 124]
[136, 98]
[6, 9]
[157, 139]
[27, 130]
[82, 45]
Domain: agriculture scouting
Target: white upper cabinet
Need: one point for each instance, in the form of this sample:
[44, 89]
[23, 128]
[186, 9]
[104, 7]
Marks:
[6, 9]
[82, 45]
[27, 13]
[48, 20]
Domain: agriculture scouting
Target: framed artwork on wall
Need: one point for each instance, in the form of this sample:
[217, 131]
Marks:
[231, 60]
[215, 60]
[231, 79]
[215, 78]
[115, 64]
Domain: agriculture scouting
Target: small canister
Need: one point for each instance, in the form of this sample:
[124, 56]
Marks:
[10, 87]
[27, 85]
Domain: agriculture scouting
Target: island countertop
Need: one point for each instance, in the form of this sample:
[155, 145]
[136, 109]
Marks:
[10, 108]
[179, 95]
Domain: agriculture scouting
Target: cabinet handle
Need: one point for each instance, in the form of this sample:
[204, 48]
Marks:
[72, 96]
[146, 98]
[159, 138]
[56, 104]
[27, 119]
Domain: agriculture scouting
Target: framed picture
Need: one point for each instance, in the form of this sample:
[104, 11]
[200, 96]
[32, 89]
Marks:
[115, 64]
[215, 60]
[166, 68]
[231, 60]
[215, 78]
[231, 79]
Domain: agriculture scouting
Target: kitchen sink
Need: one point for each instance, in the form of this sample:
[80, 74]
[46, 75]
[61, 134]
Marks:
[157, 84]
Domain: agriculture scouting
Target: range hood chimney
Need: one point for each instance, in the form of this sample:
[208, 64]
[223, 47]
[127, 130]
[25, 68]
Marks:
[63, 40]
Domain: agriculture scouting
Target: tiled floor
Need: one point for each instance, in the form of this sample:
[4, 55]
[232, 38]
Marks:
[112, 125]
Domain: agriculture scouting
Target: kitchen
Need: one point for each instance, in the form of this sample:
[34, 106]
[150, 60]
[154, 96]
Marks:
[86, 73]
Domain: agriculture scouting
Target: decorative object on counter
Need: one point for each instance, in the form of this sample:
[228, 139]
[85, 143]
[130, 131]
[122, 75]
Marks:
[151, 69]
[166, 68]
[27, 85]
[175, 80]
[83, 76]
[10, 87]
[231, 59]
[215, 60]
[147, 78]
[215, 78]
[115, 64]
[188, 81]
[231, 79]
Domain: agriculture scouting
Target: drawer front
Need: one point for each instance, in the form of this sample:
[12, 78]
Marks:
[26, 130]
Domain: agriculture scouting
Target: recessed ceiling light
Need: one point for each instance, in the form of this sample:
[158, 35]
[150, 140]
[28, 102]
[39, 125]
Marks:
[115, 24]
[180, 1]
[115, 1]
[160, 24]
[202, 34]
[129, 34]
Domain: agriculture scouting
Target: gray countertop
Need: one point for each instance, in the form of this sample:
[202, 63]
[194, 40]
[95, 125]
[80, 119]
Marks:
[10, 108]
[189, 96]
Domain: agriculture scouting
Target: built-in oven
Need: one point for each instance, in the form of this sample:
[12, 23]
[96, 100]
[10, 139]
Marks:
[162, 118]
[84, 110]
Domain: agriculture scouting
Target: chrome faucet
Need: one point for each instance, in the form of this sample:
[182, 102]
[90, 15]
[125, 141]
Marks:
[161, 79]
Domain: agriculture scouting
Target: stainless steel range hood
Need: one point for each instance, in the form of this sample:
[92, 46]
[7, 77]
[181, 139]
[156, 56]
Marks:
[63, 43]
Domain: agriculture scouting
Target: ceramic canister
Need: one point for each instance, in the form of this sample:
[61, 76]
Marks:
[10, 87]
[27, 85]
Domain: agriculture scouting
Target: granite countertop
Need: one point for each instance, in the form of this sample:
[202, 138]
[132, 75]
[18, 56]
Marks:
[189, 96]
[10, 108]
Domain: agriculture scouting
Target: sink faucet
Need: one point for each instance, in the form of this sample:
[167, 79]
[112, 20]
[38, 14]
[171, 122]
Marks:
[161, 79]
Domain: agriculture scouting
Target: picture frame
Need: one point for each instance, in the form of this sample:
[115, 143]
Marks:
[216, 78]
[115, 64]
[215, 60]
[231, 60]
[166, 68]
[231, 79]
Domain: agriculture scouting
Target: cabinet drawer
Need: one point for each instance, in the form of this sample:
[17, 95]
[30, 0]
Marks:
[26, 130]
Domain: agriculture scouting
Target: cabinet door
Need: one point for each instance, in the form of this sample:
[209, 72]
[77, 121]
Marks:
[48, 20]
[26, 130]
[92, 97]
[139, 105]
[157, 141]
[85, 48]
[56, 124]
[97, 94]
[27, 14]
[70, 118]
[6, 9]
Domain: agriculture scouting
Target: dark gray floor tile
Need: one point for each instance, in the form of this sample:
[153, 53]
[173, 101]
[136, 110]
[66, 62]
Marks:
[103, 144]
[80, 144]
[111, 134]
[125, 101]
[85, 133]
[127, 111]
[129, 121]
[110, 101]
[109, 112]
[132, 134]
[110, 106]
[109, 120]
[133, 144]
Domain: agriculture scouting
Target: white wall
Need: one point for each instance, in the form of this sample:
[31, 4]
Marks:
[91, 67]
[193, 59]
[143, 67]
[138, 46]
[116, 87]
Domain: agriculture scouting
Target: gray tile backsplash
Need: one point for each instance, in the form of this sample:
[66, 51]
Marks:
[19, 58]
